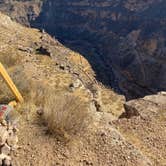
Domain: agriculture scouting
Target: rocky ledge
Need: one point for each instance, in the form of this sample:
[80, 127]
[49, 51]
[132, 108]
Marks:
[146, 106]
[143, 125]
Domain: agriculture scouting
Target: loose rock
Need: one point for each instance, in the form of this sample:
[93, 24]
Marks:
[5, 149]
[8, 142]
[7, 162]
[12, 140]
[3, 135]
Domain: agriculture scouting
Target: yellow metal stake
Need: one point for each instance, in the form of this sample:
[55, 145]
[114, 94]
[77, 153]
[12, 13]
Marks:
[10, 84]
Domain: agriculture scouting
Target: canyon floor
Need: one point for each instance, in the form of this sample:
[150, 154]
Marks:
[119, 132]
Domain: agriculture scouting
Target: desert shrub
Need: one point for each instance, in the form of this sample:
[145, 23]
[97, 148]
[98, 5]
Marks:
[9, 60]
[38, 95]
[20, 80]
[5, 94]
[66, 115]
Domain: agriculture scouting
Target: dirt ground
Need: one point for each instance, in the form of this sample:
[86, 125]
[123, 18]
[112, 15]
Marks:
[100, 145]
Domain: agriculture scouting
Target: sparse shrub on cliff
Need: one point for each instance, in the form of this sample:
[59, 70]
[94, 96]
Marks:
[21, 81]
[15, 70]
[5, 94]
[9, 60]
[66, 115]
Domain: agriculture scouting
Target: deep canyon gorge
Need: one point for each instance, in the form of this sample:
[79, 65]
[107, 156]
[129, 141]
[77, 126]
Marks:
[92, 78]
[124, 40]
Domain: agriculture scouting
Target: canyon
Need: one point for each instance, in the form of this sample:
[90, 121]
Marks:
[123, 40]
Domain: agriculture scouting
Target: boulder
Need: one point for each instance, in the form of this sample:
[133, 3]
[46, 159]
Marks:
[26, 49]
[62, 66]
[5, 149]
[153, 104]
[76, 84]
[4, 157]
[162, 93]
[130, 110]
[3, 135]
[12, 140]
[7, 162]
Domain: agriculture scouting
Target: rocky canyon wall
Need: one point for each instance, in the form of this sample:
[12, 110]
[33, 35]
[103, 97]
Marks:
[124, 40]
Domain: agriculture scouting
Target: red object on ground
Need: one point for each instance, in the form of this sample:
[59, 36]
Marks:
[2, 110]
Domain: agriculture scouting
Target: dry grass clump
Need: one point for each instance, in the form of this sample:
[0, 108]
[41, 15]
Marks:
[9, 60]
[66, 115]
[20, 80]
[39, 94]
[12, 64]
[5, 94]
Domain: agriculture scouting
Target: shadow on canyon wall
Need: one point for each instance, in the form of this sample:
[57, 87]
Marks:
[119, 61]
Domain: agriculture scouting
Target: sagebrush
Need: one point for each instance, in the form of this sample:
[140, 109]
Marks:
[66, 115]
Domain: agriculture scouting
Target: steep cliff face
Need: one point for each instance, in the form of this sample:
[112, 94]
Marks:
[124, 40]
[23, 11]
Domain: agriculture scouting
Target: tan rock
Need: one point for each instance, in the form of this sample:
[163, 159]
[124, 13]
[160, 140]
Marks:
[3, 135]
[154, 104]
[3, 122]
[1, 161]
[162, 93]
[4, 159]
[5, 149]
[7, 162]
[3, 156]
[15, 129]
[12, 140]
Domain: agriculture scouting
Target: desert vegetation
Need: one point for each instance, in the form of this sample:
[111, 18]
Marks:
[66, 114]
[19, 77]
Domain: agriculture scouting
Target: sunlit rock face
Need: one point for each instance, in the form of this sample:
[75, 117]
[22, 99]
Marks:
[124, 40]
[22, 11]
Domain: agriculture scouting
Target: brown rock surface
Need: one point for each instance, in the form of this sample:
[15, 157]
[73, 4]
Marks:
[8, 140]
[146, 130]
[3, 135]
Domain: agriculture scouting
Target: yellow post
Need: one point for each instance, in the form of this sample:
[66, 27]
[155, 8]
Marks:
[10, 84]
